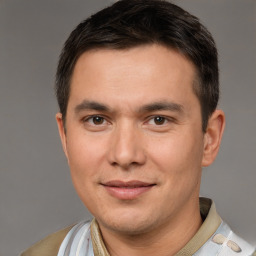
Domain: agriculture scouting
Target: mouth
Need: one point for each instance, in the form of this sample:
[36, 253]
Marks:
[127, 190]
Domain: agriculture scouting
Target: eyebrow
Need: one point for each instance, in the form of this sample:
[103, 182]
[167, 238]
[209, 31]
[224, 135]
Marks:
[151, 107]
[162, 105]
[91, 105]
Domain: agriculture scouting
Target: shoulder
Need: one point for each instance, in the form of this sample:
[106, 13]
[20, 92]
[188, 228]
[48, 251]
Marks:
[49, 245]
[225, 242]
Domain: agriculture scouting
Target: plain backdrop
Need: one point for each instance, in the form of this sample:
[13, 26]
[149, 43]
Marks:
[36, 192]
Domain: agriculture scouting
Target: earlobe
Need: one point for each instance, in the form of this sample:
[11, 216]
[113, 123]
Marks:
[62, 132]
[213, 136]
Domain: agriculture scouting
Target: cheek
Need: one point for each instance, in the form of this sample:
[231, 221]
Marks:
[85, 155]
[84, 163]
[178, 155]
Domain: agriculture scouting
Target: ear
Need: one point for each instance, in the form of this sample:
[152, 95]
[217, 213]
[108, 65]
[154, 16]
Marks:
[213, 136]
[62, 132]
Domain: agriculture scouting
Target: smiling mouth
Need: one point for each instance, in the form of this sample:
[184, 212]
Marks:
[127, 190]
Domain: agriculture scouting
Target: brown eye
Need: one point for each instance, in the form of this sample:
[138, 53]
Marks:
[97, 120]
[159, 120]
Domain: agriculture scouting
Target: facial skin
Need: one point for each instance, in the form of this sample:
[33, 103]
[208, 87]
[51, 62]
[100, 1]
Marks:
[134, 142]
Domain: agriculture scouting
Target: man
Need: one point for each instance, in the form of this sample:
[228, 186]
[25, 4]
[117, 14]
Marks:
[137, 87]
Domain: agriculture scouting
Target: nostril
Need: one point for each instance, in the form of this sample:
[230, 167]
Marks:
[126, 166]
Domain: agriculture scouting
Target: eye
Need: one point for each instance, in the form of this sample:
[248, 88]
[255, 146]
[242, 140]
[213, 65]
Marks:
[157, 120]
[95, 120]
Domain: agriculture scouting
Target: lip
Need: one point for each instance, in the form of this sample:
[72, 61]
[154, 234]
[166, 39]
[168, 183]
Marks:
[127, 190]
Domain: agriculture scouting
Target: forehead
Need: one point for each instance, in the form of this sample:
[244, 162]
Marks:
[138, 74]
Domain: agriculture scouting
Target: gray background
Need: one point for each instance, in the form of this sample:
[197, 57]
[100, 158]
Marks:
[36, 193]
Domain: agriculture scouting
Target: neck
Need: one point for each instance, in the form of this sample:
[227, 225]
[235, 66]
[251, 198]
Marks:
[165, 240]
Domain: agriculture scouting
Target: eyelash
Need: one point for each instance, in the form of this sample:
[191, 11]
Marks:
[164, 119]
[86, 120]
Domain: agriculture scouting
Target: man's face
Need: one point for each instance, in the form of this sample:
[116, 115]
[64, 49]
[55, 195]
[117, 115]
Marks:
[134, 139]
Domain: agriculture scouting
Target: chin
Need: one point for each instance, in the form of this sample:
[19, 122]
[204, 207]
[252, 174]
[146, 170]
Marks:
[128, 228]
[129, 224]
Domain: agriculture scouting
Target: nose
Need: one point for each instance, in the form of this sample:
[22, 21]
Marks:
[126, 148]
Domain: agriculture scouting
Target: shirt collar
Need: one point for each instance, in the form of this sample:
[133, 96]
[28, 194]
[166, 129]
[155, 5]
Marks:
[211, 222]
